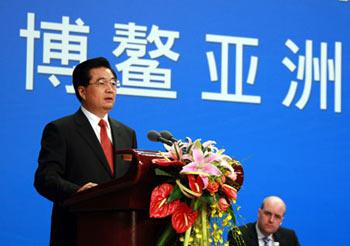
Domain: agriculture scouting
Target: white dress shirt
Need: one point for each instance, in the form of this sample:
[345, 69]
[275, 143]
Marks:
[261, 236]
[94, 120]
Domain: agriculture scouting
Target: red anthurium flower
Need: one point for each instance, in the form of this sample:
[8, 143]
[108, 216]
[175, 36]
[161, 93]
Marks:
[183, 218]
[196, 183]
[159, 207]
[230, 192]
[165, 163]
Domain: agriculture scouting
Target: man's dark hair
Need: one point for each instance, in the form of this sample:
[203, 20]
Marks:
[81, 73]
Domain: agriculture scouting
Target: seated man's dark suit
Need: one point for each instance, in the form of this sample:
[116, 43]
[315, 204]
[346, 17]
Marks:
[71, 156]
[284, 236]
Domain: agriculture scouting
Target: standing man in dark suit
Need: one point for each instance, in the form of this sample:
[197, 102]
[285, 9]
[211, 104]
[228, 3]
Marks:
[267, 231]
[78, 151]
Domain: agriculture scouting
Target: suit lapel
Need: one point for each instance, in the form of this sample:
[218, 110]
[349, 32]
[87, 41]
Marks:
[116, 134]
[87, 133]
[120, 166]
[253, 235]
[277, 237]
[250, 235]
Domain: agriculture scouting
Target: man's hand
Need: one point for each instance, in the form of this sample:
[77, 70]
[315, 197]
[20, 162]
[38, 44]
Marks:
[87, 186]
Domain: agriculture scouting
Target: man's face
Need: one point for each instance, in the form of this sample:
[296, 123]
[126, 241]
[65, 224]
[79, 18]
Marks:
[270, 217]
[99, 97]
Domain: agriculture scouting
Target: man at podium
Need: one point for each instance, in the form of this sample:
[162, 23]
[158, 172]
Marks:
[78, 151]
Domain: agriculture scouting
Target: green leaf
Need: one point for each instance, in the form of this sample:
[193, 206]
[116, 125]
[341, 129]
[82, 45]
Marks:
[167, 234]
[207, 199]
[175, 194]
[160, 172]
[197, 204]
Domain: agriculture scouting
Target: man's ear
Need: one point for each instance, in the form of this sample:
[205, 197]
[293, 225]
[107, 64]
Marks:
[82, 92]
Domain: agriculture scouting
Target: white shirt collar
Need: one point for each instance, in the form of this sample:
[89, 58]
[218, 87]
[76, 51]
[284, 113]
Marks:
[94, 119]
[260, 234]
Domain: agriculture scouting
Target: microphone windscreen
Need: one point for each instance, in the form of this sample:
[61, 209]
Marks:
[153, 135]
[166, 134]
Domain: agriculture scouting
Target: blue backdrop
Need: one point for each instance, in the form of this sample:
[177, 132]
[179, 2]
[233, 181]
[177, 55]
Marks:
[267, 80]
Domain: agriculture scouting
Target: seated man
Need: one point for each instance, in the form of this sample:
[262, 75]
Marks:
[267, 231]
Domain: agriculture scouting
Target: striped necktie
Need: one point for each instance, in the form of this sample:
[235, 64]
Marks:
[266, 241]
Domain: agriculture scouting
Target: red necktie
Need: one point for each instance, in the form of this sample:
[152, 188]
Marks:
[106, 144]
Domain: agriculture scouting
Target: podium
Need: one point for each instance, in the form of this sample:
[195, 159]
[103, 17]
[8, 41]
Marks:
[116, 212]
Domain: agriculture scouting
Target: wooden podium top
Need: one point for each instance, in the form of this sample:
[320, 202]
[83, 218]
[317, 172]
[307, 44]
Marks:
[132, 191]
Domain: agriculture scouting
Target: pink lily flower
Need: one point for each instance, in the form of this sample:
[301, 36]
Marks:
[201, 164]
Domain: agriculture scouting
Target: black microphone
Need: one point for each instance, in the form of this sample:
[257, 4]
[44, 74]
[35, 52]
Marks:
[167, 135]
[155, 136]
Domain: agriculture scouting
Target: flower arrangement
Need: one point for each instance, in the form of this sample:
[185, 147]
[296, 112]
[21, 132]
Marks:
[199, 193]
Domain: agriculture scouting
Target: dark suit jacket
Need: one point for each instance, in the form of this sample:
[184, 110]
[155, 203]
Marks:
[284, 236]
[71, 156]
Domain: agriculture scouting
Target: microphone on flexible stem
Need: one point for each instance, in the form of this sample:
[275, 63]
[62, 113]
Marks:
[167, 135]
[155, 136]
